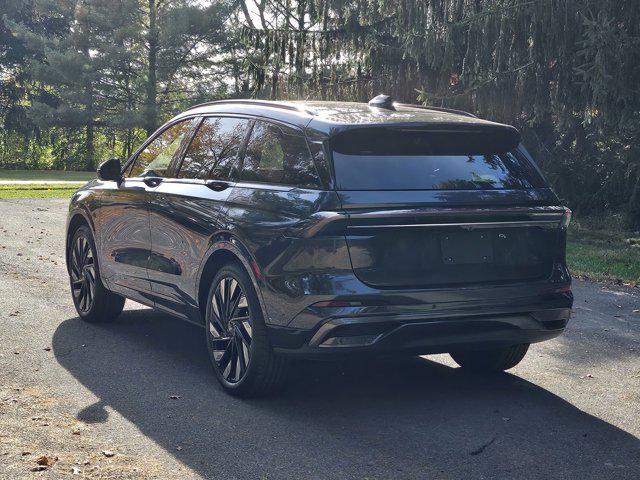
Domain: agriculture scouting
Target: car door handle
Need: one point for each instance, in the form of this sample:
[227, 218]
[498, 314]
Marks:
[153, 181]
[217, 185]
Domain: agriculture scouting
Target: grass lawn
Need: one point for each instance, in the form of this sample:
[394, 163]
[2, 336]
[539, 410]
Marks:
[604, 255]
[58, 190]
[46, 175]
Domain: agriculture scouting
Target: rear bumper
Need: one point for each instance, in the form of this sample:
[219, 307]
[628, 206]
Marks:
[424, 333]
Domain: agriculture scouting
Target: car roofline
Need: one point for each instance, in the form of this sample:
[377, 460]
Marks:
[301, 108]
[309, 118]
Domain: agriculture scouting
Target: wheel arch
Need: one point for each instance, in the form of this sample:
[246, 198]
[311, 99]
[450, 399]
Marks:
[76, 220]
[220, 253]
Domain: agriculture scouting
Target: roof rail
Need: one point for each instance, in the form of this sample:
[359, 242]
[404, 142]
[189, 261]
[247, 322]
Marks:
[438, 109]
[262, 103]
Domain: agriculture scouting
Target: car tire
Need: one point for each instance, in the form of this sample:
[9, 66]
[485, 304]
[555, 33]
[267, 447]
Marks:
[93, 302]
[494, 360]
[237, 339]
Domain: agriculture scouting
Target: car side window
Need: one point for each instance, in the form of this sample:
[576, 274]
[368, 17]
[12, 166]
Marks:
[214, 148]
[278, 155]
[156, 158]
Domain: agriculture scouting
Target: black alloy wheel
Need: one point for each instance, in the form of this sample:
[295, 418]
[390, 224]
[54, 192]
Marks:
[237, 336]
[93, 302]
[230, 330]
[83, 274]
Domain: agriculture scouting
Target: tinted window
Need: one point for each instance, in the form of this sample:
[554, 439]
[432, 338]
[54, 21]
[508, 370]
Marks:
[278, 155]
[214, 148]
[155, 159]
[380, 159]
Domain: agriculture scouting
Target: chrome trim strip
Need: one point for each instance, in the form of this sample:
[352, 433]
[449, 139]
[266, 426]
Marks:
[442, 211]
[524, 223]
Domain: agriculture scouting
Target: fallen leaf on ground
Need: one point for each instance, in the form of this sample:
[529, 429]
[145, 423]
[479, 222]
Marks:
[45, 460]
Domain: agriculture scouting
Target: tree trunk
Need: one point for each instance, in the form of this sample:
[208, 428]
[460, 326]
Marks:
[633, 212]
[89, 164]
[152, 87]
[300, 48]
[90, 128]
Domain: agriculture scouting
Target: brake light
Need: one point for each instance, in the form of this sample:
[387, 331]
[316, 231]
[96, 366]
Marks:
[566, 218]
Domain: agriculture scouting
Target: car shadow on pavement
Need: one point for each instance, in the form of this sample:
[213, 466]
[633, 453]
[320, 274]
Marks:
[401, 418]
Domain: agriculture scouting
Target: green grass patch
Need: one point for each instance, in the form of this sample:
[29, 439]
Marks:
[58, 190]
[604, 255]
[46, 175]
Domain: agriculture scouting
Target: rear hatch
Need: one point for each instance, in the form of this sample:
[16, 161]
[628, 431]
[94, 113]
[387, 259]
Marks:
[445, 208]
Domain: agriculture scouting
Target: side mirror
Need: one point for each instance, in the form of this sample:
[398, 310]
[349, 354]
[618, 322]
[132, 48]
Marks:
[110, 170]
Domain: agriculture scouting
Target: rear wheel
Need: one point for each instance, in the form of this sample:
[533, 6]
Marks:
[237, 339]
[93, 302]
[493, 360]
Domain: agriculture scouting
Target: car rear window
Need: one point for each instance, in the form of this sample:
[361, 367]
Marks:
[386, 159]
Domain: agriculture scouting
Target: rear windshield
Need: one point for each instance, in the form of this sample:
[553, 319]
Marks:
[384, 159]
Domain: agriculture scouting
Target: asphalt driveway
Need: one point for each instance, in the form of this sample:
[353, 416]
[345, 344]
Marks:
[137, 399]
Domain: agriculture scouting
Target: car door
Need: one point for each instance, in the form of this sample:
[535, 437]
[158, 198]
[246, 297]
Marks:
[188, 209]
[122, 221]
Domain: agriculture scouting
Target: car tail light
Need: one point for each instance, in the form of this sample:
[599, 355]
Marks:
[566, 218]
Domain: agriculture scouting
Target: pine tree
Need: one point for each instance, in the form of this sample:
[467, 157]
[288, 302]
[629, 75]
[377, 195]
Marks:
[72, 65]
[180, 40]
[20, 137]
[119, 64]
[564, 71]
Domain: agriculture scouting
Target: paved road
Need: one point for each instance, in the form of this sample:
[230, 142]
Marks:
[141, 389]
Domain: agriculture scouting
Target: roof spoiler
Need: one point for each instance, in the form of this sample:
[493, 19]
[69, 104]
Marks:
[437, 109]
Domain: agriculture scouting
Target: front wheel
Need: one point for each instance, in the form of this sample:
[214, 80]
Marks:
[237, 339]
[494, 360]
[93, 302]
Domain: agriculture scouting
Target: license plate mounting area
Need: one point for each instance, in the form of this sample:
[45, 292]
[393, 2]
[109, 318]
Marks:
[464, 248]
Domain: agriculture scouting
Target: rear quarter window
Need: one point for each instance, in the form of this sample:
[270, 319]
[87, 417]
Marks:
[278, 155]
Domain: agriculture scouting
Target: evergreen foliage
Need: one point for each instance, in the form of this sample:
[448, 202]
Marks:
[565, 72]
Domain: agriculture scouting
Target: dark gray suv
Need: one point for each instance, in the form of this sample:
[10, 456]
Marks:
[324, 229]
